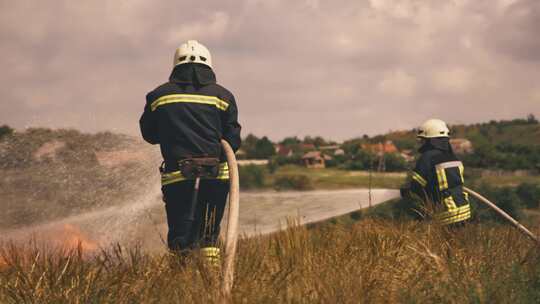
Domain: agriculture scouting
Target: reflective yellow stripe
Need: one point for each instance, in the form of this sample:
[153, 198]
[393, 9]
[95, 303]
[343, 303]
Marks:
[171, 177]
[210, 251]
[453, 212]
[461, 169]
[417, 177]
[453, 216]
[211, 255]
[456, 219]
[450, 204]
[223, 171]
[188, 98]
[176, 176]
[222, 105]
[441, 178]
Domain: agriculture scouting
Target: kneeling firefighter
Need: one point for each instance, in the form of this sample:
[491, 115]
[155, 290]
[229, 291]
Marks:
[438, 176]
[188, 116]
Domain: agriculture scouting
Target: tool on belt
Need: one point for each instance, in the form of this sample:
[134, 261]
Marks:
[197, 168]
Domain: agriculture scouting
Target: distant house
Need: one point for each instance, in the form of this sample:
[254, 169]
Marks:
[408, 155]
[307, 147]
[282, 150]
[332, 149]
[339, 152]
[315, 159]
[381, 148]
[461, 145]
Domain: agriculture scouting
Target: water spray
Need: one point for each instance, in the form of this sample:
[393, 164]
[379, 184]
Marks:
[503, 214]
[232, 221]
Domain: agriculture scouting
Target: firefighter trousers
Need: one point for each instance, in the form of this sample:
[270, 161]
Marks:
[186, 233]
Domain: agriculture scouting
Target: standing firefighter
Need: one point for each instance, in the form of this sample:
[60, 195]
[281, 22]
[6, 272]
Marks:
[187, 117]
[438, 175]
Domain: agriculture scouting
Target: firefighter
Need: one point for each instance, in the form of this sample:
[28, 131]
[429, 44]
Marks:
[188, 116]
[438, 176]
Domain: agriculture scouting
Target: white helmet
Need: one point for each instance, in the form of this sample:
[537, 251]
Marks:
[192, 52]
[433, 128]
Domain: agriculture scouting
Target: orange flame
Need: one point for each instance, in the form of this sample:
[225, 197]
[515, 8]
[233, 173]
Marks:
[71, 236]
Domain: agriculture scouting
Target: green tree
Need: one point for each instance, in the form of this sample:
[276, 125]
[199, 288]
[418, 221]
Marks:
[532, 119]
[318, 141]
[248, 145]
[529, 194]
[290, 141]
[252, 176]
[264, 148]
[5, 130]
[395, 162]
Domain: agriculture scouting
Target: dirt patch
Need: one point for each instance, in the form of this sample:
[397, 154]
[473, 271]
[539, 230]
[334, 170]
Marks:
[48, 150]
[111, 159]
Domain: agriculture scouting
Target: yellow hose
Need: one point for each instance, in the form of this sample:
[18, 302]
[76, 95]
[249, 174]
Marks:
[232, 222]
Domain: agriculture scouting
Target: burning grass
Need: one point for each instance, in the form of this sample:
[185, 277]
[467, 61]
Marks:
[369, 261]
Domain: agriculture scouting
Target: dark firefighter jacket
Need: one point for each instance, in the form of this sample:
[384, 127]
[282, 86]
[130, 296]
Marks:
[438, 178]
[189, 115]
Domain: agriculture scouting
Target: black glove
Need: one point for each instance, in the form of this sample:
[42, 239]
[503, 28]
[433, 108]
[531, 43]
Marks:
[405, 192]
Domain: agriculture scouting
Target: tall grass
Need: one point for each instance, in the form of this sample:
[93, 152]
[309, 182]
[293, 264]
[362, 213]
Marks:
[367, 262]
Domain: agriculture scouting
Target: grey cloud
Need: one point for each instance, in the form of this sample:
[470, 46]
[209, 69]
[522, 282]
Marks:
[335, 68]
[515, 32]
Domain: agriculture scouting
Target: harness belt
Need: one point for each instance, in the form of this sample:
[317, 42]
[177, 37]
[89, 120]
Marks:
[177, 176]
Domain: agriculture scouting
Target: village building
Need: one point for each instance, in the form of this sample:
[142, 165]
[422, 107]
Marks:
[461, 145]
[339, 152]
[315, 159]
[332, 149]
[407, 154]
[307, 147]
[284, 151]
[381, 148]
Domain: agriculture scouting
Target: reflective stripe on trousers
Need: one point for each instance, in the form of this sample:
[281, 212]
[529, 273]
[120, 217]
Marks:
[211, 255]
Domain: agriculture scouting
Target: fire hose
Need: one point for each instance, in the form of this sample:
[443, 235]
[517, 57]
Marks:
[503, 214]
[232, 221]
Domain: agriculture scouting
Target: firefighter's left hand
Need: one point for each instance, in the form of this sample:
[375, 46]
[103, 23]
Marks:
[405, 192]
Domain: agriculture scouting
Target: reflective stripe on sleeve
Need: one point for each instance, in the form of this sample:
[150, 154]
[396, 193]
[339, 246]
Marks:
[418, 178]
[189, 98]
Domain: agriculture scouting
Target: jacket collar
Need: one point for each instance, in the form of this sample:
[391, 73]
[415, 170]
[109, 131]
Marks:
[437, 143]
[192, 73]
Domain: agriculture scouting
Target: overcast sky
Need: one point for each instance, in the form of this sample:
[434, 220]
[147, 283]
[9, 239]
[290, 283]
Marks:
[336, 68]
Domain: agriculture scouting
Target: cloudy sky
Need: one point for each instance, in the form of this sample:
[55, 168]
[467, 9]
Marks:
[336, 68]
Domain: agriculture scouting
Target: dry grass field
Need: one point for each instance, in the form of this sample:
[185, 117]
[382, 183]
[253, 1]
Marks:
[368, 261]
